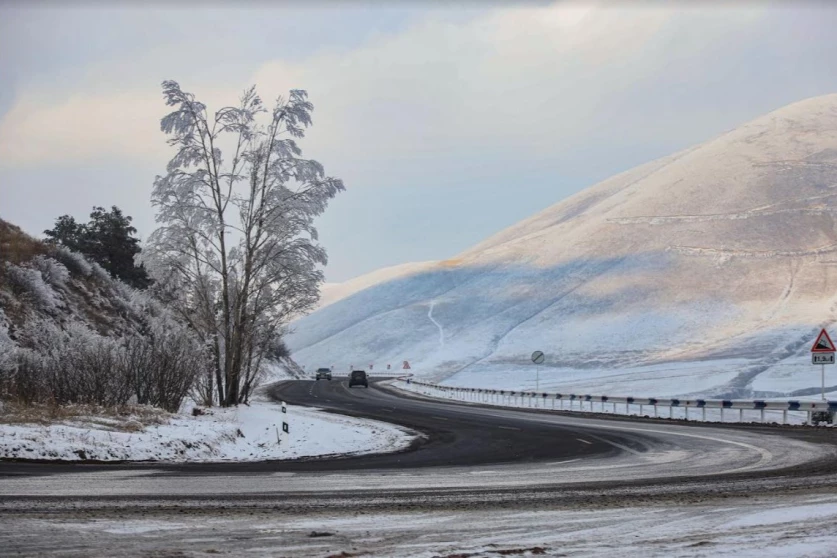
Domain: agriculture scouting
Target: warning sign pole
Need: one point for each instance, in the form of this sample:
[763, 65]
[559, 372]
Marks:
[822, 353]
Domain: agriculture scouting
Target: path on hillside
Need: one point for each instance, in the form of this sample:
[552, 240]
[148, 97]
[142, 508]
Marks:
[437, 324]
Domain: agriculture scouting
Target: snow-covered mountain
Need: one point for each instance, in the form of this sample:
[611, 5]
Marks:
[708, 271]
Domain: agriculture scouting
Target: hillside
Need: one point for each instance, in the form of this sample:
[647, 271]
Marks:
[72, 334]
[332, 292]
[705, 272]
[43, 282]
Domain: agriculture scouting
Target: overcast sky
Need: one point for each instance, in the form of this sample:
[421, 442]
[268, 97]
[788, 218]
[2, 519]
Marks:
[447, 124]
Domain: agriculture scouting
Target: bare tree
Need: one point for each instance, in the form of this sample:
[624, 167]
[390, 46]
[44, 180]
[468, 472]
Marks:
[237, 247]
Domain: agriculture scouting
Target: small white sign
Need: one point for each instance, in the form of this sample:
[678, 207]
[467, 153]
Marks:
[822, 358]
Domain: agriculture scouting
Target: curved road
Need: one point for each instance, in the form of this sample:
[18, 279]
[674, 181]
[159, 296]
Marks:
[467, 446]
[478, 474]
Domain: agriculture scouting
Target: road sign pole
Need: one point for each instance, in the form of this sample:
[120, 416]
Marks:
[822, 353]
[538, 357]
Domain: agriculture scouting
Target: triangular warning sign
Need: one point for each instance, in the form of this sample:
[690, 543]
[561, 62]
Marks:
[823, 344]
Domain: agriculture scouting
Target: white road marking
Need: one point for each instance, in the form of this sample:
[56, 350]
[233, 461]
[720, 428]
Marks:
[765, 455]
[508, 428]
[563, 462]
[584, 441]
[614, 444]
[440, 418]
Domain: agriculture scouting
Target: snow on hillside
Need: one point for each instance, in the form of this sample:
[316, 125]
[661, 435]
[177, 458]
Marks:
[332, 292]
[706, 272]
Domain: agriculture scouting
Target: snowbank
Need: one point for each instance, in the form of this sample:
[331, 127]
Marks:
[245, 433]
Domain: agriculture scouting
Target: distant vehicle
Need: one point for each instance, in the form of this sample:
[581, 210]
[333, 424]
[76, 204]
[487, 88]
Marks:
[323, 374]
[358, 378]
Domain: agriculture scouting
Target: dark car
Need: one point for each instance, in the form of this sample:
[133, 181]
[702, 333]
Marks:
[358, 378]
[323, 374]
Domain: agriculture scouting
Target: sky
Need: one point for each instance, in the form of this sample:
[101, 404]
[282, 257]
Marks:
[447, 124]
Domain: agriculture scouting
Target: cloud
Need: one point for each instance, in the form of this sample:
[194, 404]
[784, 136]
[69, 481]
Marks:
[82, 128]
[534, 80]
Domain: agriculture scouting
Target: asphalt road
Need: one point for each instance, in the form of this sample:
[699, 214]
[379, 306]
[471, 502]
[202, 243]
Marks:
[505, 447]
[477, 472]
[451, 436]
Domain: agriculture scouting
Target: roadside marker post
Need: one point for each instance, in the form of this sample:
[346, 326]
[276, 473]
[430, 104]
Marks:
[285, 427]
[822, 353]
[538, 358]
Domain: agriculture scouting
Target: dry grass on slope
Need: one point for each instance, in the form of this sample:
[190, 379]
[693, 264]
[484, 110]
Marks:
[126, 418]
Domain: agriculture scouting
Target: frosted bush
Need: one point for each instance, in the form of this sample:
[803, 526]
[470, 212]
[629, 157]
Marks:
[7, 355]
[125, 291]
[53, 272]
[70, 365]
[4, 326]
[73, 261]
[29, 282]
[74, 364]
[100, 274]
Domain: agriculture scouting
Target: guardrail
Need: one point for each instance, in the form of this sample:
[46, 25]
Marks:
[677, 408]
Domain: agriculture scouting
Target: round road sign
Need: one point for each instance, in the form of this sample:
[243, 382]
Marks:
[537, 357]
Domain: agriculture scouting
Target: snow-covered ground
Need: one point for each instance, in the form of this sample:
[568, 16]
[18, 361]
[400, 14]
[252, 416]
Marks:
[800, 527]
[762, 526]
[245, 433]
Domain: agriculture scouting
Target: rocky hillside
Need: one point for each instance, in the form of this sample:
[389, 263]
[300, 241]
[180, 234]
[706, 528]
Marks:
[705, 272]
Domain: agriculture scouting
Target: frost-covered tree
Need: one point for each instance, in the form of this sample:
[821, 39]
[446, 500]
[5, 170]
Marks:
[237, 250]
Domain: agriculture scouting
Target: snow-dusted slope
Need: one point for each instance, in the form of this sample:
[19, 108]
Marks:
[703, 272]
[332, 292]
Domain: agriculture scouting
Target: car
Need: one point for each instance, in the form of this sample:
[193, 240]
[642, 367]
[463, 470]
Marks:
[358, 378]
[323, 374]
